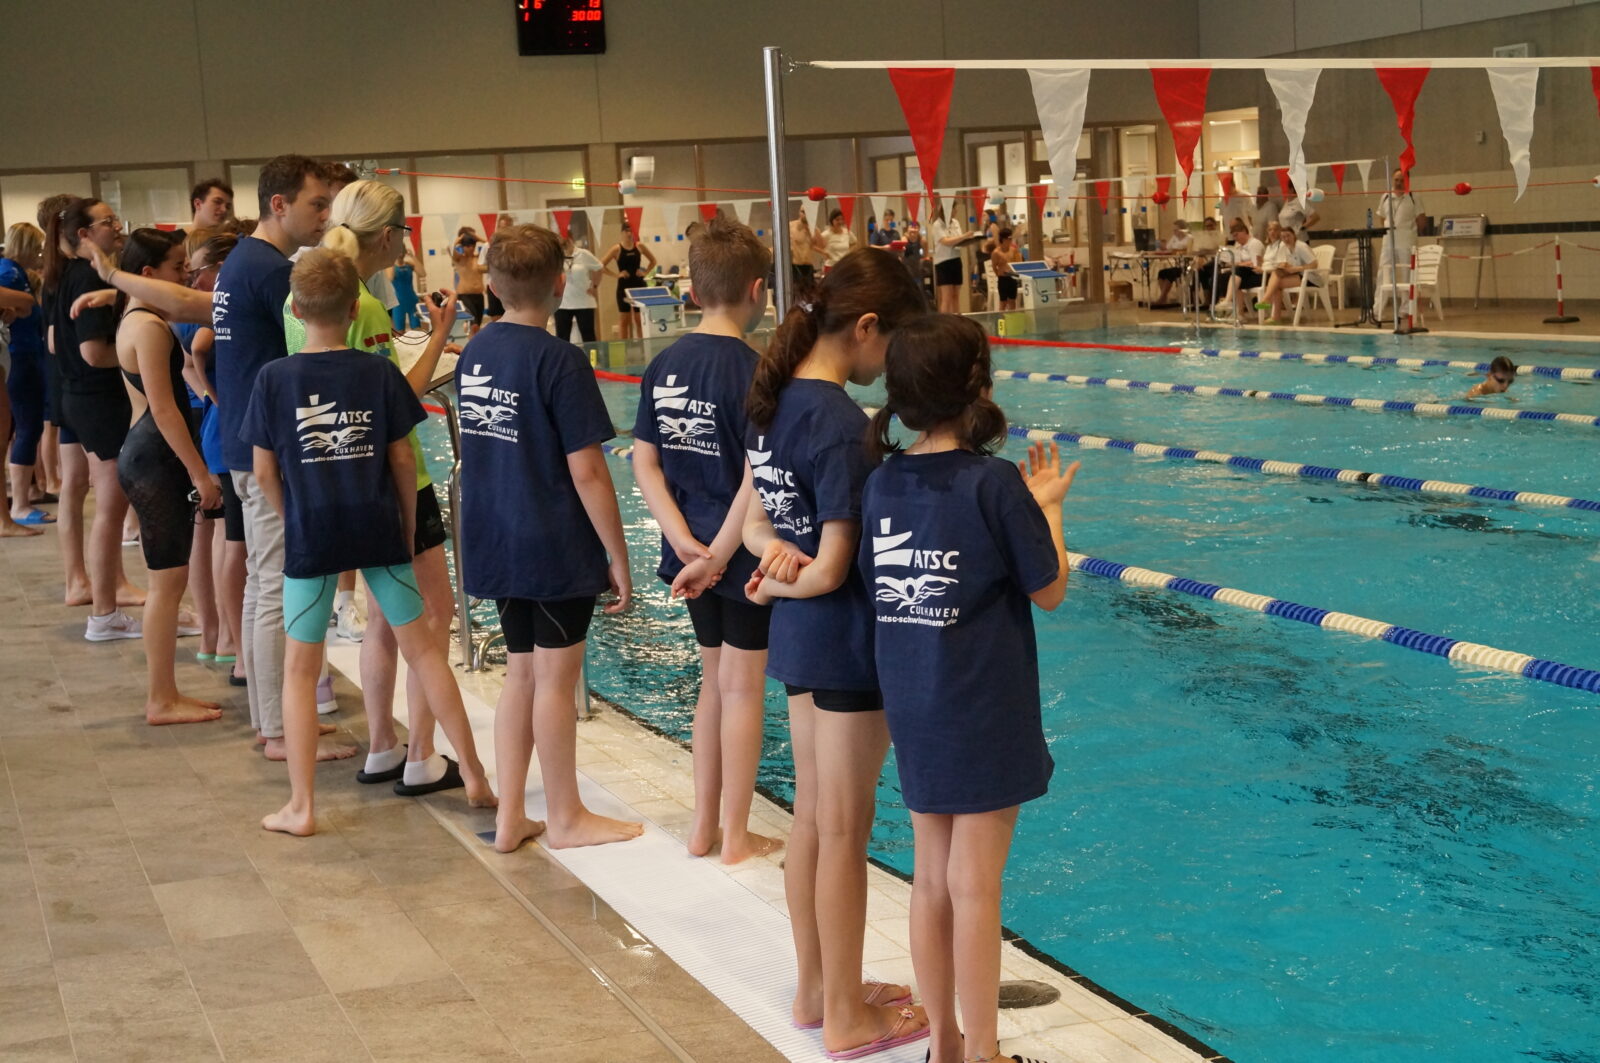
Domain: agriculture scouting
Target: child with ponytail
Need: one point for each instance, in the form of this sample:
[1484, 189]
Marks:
[808, 461]
[960, 543]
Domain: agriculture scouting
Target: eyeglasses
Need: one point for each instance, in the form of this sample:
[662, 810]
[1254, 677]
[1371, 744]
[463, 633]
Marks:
[113, 221]
[402, 226]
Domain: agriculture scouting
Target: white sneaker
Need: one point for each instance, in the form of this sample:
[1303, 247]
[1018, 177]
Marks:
[347, 623]
[326, 701]
[187, 631]
[117, 625]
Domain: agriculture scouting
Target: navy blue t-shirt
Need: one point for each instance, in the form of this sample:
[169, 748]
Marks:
[247, 316]
[809, 467]
[330, 416]
[27, 332]
[952, 545]
[527, 401]
[691, 409]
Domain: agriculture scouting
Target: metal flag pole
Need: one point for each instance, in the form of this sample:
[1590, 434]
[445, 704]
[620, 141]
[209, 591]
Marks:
[1392, 242]
[782, 267]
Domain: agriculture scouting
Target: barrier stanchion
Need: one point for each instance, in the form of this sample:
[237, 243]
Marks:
[1561, 317]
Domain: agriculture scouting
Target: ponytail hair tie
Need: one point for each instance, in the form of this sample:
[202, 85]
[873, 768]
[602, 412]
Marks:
[809, 308]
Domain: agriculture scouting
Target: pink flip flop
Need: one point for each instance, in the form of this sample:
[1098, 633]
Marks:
[873, 989]
[893, 1039]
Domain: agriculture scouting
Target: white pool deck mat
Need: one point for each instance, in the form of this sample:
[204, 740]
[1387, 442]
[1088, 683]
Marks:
[728, 927]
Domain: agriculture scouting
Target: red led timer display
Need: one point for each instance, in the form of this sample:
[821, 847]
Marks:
[560, 27]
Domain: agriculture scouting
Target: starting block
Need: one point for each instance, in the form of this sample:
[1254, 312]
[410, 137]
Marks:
[662, 311]
[1038, 284]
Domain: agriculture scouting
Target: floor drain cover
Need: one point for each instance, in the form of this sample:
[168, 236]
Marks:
[1027, 993]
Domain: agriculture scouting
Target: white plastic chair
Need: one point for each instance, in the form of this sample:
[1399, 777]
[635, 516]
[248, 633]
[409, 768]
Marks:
[1349, 272]
[1318, 292]
[1430, 259]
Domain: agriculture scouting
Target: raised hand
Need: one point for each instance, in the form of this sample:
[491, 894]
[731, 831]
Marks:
[1042, 472]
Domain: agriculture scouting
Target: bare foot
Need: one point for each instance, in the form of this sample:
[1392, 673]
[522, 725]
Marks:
[591, 829]
[288, 821]
[12, 530]
[78, 593]
[198, 702]
[703, 837]
[181, 711]
[508, 839]
[479, 795]
[128, 594]
[327, 749]
[322, 729]
[753, 845]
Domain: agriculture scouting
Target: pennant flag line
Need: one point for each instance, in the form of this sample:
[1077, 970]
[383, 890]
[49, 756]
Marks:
[1181, 93]
[924, 95]
[1404, 84]
[1514, 92]
[1295, 90]
[1059, 97]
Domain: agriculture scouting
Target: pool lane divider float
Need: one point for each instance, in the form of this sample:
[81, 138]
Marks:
[1430, 409]
[1315, 472]
[1472, 653]
[1552, 372]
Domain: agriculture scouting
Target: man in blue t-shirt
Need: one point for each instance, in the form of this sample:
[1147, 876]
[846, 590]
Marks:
[247, 316]
[540, 530]
[329, 432]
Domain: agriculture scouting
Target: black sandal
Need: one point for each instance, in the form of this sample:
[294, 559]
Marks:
[450, 780]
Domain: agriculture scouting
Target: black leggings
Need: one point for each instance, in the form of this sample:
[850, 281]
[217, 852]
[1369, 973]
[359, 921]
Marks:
[158, 488]
[584, 318]
[25, 385]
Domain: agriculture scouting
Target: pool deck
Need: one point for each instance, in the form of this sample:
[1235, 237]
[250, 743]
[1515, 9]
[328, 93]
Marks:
[147, 916]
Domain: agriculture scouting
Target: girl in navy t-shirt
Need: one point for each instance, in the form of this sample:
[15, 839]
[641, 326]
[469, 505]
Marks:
[957, 545]
[808, 461]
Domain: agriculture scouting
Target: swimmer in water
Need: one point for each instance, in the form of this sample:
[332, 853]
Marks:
[1502, 373]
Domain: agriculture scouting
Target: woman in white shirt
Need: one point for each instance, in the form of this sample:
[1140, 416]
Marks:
[1288, 265]
[578, 299]
[835, 242]
[946, 237]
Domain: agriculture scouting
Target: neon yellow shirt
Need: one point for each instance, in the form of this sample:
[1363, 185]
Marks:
[371, 331]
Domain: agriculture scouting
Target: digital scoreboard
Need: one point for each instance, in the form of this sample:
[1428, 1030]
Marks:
[560, 27]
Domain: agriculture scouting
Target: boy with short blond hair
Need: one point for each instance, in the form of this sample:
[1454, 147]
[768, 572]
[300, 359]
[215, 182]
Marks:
[540, 531]
[329, 431]
[689, 460]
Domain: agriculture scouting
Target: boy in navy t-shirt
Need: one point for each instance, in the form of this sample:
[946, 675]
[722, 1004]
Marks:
[689, 459]
[540, 530]
[329, 433]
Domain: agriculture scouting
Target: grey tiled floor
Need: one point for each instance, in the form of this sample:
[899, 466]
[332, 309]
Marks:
[145, 915]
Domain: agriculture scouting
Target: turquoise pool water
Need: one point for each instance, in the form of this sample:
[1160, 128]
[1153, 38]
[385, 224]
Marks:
[1295, 844]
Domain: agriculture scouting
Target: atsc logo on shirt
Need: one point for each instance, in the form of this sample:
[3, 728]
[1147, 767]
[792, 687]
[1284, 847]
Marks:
[909, 593]
[690, 430]
[490, 407]
[330, 434]
[778, 500]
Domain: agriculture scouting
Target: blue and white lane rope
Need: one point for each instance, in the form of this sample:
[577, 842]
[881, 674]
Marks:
[1554, 372]
[1430, 409]
[1472, 653]
[1315, 472]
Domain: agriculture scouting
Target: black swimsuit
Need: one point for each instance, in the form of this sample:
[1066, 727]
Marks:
[628, 261]
[153, 477]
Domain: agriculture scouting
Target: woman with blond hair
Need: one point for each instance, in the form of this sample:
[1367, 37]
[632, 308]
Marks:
[25, 380]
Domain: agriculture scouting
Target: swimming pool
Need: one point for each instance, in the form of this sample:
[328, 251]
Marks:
[1296, 844]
